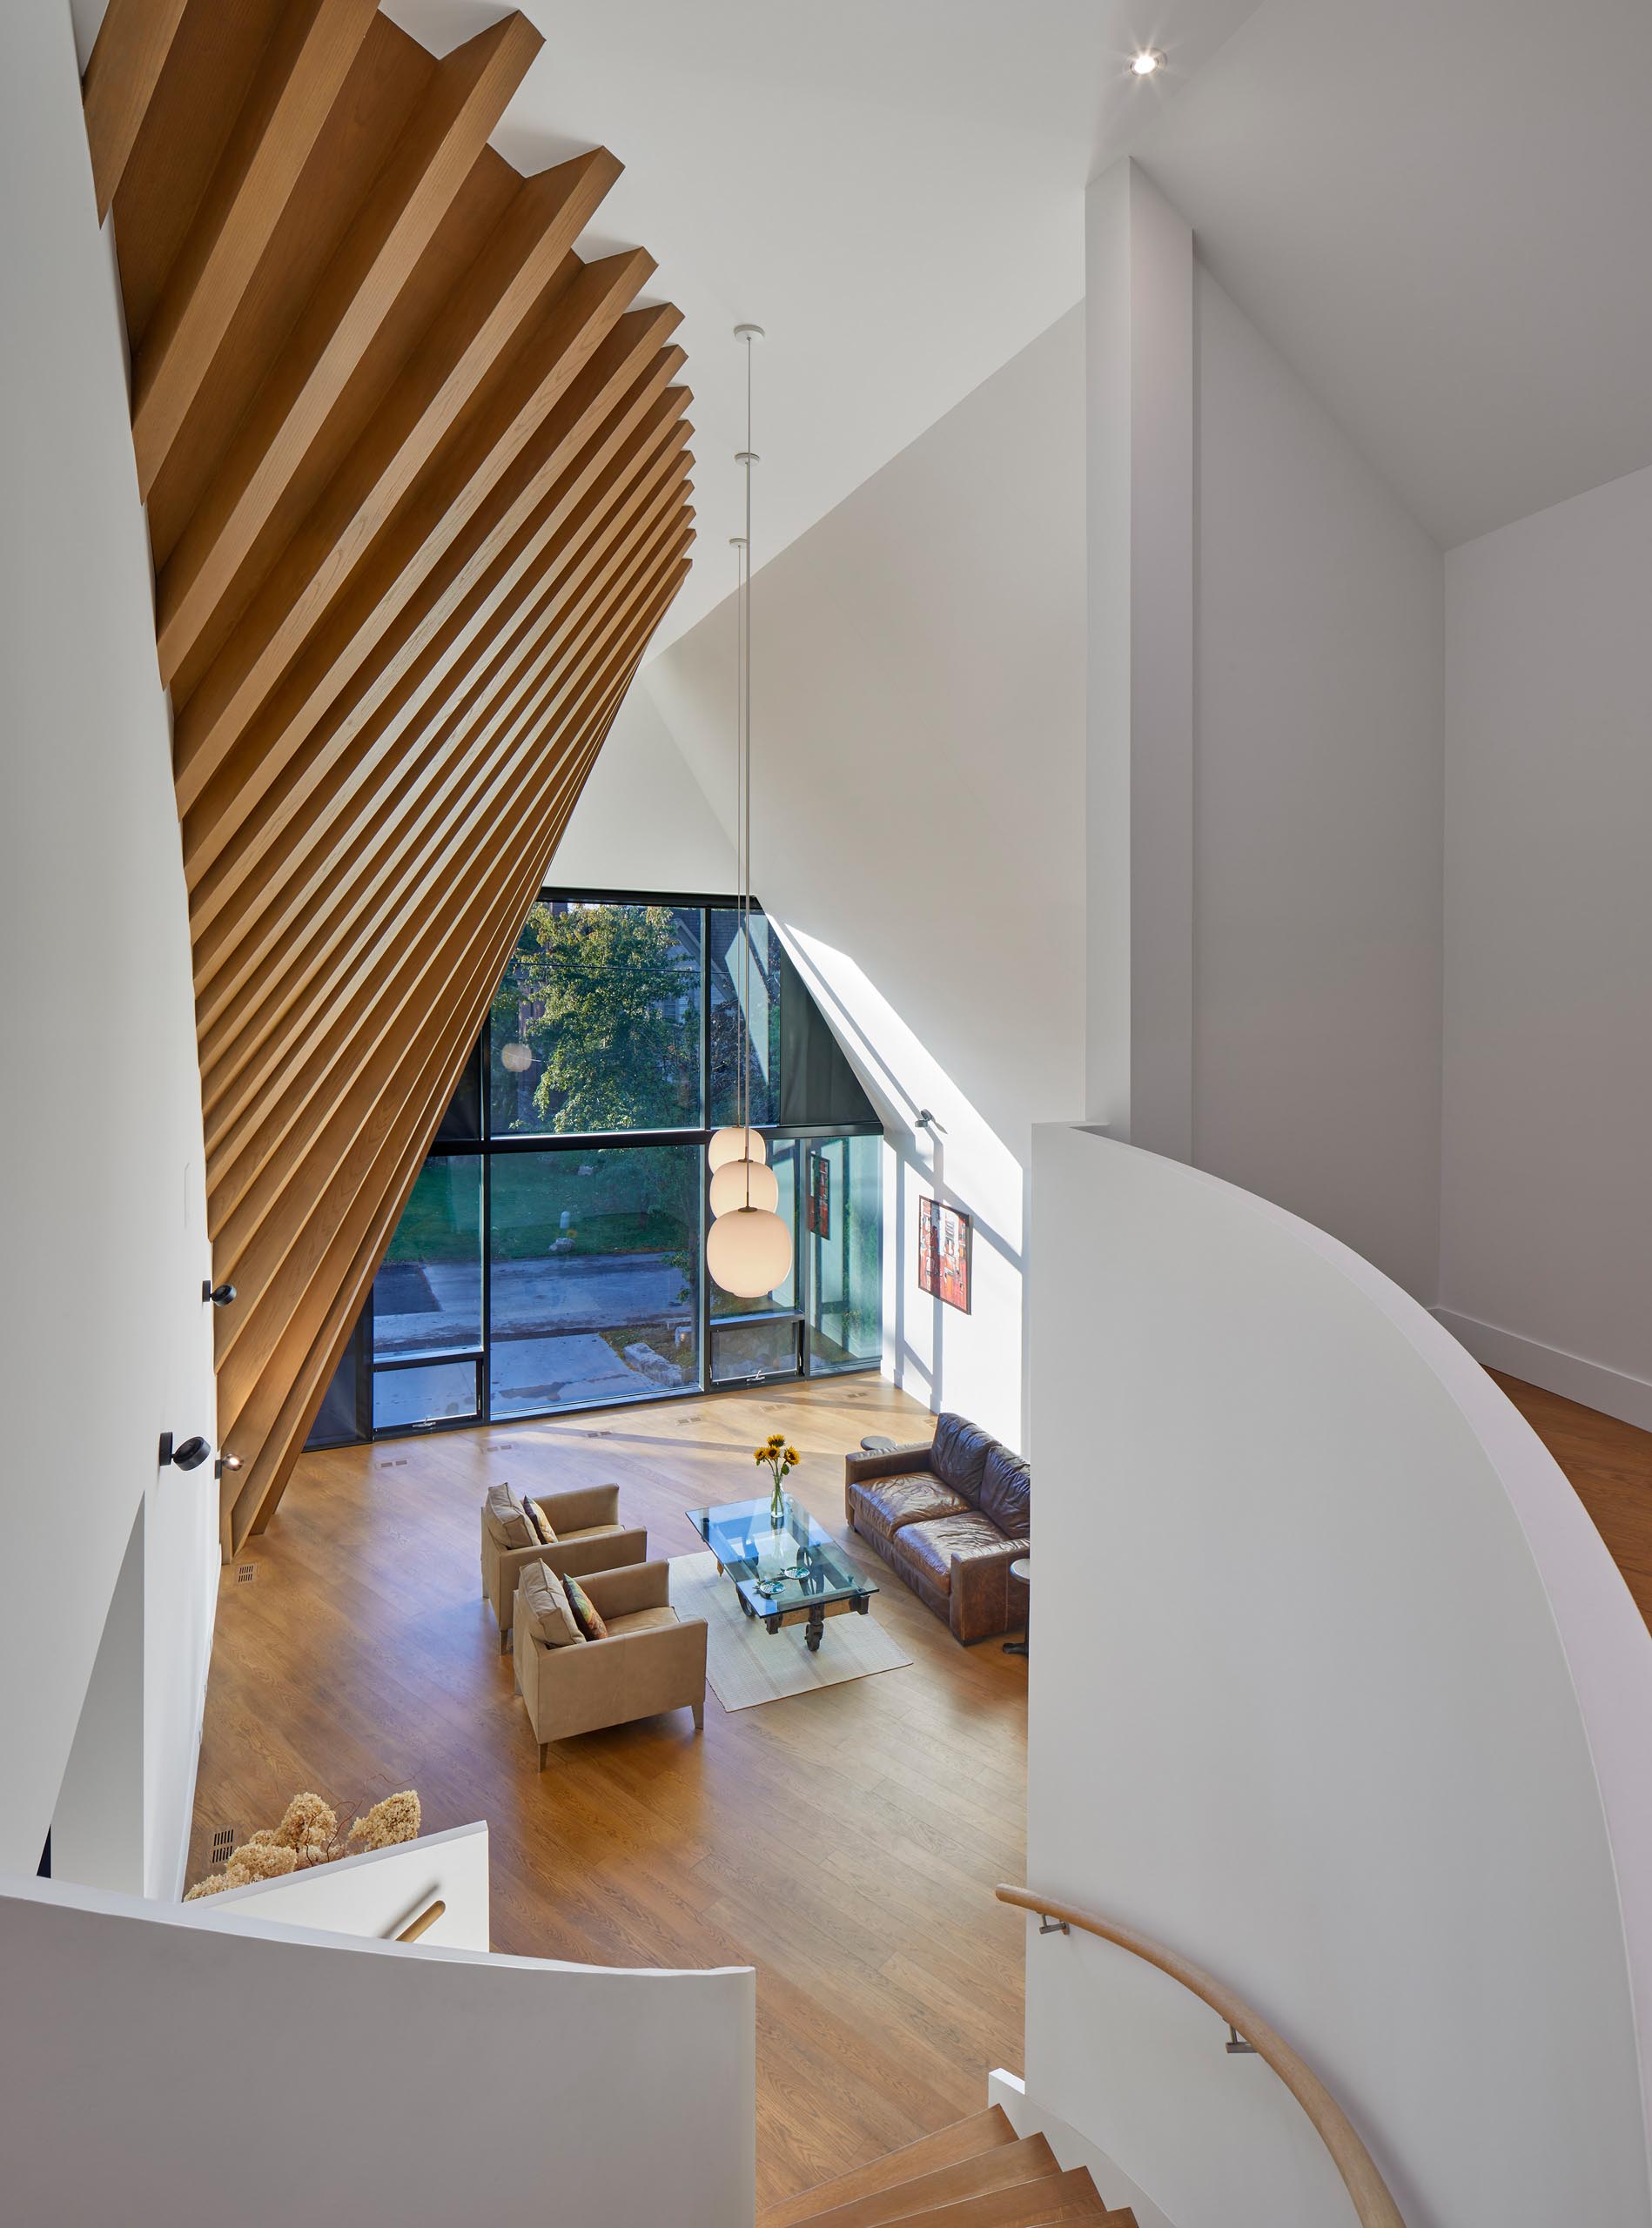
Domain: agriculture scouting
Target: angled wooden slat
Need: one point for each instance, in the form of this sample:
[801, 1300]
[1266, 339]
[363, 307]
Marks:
[230, 950]
[304, 70]
[279, 1120]
[323, 1356]
[278, 1430]
[127, 57]
[382, 818]
[437, 512]
[346, 942]
[388, 80]
[362, 1036]
[501, 310]
[301, 809]
[419, 496]
[311, 718]
[357, 939]
[464, 101]
[383, 906]
[364, 1181]
[216, 55]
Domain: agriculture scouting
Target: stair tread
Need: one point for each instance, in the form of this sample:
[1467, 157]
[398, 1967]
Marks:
[1039, 2204]
[1006, 2166]
[966, 2138]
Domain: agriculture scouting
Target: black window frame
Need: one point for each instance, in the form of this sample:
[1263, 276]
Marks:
[450, 1142]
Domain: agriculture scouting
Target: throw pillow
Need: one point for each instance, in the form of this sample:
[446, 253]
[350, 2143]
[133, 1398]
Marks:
[541, 1522]
[585, 1612]
[959, 1454]
[546, 1608]
[510, 1519]
[1006, 1494]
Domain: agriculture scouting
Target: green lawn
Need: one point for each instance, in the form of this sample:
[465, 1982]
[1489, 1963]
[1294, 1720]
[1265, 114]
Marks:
[641, 1201]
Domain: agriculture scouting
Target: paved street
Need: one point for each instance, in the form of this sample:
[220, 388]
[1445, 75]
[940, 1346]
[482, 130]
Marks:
[566, 1293]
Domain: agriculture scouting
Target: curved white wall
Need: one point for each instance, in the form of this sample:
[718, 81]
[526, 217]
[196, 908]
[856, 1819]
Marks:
[1335, 1690]
[184, 2066]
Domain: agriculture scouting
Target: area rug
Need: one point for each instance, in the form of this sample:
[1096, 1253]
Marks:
[745, 1663]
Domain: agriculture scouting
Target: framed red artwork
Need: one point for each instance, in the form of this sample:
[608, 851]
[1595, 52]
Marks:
[943, 1237]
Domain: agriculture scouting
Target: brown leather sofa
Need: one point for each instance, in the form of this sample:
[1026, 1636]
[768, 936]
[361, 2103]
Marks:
[950, 1518]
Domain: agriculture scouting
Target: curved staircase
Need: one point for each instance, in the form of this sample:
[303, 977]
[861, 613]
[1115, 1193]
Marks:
[978, 2173]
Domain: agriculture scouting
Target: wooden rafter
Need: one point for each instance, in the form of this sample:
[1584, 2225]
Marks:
[418, 481]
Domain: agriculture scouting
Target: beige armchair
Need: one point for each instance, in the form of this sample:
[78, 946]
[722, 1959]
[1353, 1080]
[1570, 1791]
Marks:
[651, 1660]
[589, 1536]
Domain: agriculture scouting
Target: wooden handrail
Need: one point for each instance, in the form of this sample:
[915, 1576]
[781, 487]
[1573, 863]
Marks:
[423, 1923]
[1373, 2200]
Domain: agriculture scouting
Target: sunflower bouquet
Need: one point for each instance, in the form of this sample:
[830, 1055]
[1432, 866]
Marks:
[780, 1459]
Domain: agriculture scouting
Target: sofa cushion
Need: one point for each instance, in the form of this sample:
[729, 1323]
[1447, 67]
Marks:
[883, 1505]
[1006, 1494]
[586, 1616]
[545, 1606]
[929, 1548]
[959, 1455]
[507, 1519]
[541, 1522]
[641, 1621]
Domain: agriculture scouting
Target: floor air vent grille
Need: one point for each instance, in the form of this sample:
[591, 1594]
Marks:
[223, 1842]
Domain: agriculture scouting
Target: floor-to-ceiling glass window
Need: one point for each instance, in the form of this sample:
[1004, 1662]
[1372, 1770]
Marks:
[552, 1254]
[593, 1275]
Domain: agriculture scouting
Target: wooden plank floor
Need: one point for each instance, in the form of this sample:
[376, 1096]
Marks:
[845, 1843]
[1610, 1464]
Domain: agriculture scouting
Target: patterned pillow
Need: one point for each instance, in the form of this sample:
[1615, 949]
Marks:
[508, 1520]
[546, 1608]
[585, 1614]
[541, 1522]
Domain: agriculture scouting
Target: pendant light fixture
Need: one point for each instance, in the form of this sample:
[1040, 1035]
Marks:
[748, 1249]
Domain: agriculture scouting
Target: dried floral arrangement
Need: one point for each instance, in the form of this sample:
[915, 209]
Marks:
[307, 1835]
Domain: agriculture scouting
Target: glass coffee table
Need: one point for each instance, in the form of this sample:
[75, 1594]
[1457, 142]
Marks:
[797, 1574]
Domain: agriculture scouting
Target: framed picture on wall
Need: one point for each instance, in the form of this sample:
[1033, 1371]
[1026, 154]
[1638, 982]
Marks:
[943, 1253]
[817, 1207]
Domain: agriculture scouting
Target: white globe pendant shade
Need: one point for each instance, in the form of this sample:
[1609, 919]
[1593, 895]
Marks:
[748, 1253]
[735, 1145]
[517, 1059]
[744, 1184]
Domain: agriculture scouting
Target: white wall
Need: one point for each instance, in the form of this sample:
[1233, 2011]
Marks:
[1548, 1226]
[918, 720]
[376, 1893]
[1318, 844]
[1345, 1701]
[103, 1343]
[180, 2069]
[643, 821]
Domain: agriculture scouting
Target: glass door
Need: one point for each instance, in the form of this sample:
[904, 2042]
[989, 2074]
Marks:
[753, 1339]
[842, 1181]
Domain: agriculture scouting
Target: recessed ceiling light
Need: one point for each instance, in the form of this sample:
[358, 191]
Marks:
[1148, 63]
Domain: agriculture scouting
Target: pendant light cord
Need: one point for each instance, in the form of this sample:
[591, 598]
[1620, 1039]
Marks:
[743, 724]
